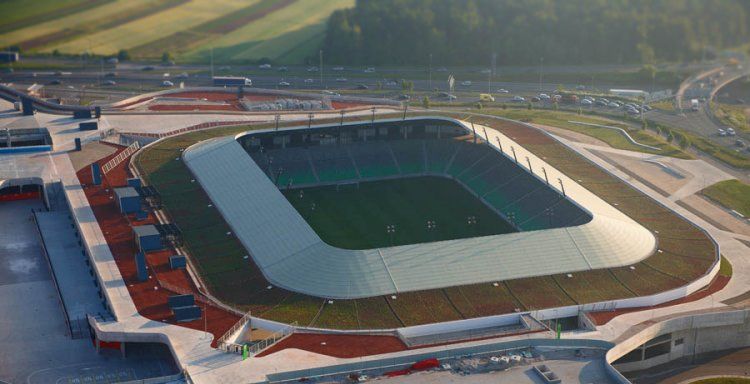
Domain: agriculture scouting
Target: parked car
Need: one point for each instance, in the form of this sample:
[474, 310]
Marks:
[312, 69]
[110, 82]
[338, 69]
[466, 83]
[739, 143]
[284, 84]
[55, 82]
[110, 74]
[167, 83]
[370, 70]
[362, 86]
[730, 131]
[342, 80]
[722, 132]
[543, 96]
[283, 69]
[309, 81]
[265, 66]
[536, 99]
[403, 97]
[601, 103]
[502, 90]
[148, 68]
[587, 102]
[518, 99]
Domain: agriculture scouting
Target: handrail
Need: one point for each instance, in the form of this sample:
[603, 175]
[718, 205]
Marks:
[121, 157]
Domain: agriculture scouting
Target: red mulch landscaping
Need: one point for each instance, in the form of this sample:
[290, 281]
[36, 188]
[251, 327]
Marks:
[194, 107]
[718, 283]
[150, 302]
[339, 345]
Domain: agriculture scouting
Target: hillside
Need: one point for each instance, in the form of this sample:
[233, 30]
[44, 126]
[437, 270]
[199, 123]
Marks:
[525, 32]
[238, 30]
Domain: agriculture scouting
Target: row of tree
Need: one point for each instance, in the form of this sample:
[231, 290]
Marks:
[524, 32]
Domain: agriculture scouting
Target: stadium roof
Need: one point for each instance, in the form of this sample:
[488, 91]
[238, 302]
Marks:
[292, 256]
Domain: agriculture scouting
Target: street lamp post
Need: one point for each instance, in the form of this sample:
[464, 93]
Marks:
[309, 119]
[277, 118]
[512, 149]
[529, 163]
[545, 175]
[342, 112]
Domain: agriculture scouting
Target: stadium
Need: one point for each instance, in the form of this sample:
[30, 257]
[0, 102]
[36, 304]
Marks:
[419, 220]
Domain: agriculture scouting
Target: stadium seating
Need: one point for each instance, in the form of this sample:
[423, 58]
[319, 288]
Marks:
[504, 185]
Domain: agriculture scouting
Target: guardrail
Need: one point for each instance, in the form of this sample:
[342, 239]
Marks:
[222, 342]
[121, 157]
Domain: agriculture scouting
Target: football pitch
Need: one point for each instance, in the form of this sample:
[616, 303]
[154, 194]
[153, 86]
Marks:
[359, 216]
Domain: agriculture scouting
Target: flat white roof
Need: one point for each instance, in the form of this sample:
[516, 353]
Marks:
[292, 256]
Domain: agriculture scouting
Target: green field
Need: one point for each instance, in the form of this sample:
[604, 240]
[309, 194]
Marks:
[286, 31]
[732, 194]
[724, 380]
[356, 217]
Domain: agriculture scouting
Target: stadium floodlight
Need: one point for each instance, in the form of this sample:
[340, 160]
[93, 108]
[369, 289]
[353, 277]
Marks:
[529, 163]
[390, 229]
[515, 158]
[431, 226]
[549, 212]
[472, 221]
[562, 187]
[500, 145]
[545, 175]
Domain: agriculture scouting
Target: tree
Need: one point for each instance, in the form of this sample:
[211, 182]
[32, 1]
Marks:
[644, 125]
[56, 52]
[123, 55]
[479, 106]
[426, 102]
[166, 57]
[670, 136]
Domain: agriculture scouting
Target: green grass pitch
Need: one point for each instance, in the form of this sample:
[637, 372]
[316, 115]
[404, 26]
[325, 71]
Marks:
[356, 217]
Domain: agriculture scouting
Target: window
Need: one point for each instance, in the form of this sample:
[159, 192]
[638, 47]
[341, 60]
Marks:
[679, 341]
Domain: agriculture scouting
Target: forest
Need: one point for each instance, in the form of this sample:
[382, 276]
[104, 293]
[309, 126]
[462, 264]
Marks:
[468, 32]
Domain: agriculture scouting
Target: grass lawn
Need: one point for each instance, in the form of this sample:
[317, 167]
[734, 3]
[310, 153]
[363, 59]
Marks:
[612, 137]
[732, 194]
[731, 115]
[356, 218]
[724, 380]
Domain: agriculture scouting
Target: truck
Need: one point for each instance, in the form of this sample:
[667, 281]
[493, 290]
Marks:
[695, 104]
[231, 81]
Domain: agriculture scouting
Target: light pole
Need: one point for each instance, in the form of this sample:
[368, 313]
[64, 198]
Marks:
[562, 187]
[390, 229]
[431, 225]
[309, 120]
[541, 72]
[320, 56]
[472, 222]
[342, 112]
[529, 163]
[277, 118]
[373, 117]
[545, 175]
[512, 149]
[511, 217]
[429, 70]
[550, 213]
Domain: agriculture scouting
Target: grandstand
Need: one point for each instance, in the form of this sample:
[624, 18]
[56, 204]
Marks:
[507, 189]
[553, 231]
